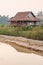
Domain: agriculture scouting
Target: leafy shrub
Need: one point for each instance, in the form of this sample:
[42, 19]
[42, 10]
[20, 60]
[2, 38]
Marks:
[28, 31]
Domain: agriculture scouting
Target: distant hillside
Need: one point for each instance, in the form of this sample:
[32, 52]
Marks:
[4, 19]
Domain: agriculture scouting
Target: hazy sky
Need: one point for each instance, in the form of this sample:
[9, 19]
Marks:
[11, 7]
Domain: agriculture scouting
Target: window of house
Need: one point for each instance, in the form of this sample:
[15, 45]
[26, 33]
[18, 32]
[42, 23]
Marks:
[30, 15]
[18, 22]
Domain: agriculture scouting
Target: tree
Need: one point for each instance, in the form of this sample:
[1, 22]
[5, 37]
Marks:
[40, 13]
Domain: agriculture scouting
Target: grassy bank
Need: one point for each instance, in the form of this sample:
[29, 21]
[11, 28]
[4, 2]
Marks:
[32, 32]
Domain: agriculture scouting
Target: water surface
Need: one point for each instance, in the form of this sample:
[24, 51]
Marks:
[10, 56]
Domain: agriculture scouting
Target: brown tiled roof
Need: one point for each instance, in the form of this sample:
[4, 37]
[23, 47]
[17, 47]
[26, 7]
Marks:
[23, 16]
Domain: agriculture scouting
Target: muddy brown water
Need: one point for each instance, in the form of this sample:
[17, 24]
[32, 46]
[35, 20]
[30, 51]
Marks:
[10, 56]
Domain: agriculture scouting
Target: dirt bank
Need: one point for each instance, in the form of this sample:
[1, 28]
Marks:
[24, 42]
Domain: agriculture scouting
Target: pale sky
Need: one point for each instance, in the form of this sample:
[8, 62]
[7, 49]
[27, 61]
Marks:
[11, 7]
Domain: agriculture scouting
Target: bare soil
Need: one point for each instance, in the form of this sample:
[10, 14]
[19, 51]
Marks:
[23, 44]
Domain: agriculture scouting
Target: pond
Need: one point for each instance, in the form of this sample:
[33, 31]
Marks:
[10, 56]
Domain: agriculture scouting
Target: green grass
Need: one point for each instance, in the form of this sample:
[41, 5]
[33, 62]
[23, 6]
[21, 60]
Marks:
[32, 32]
